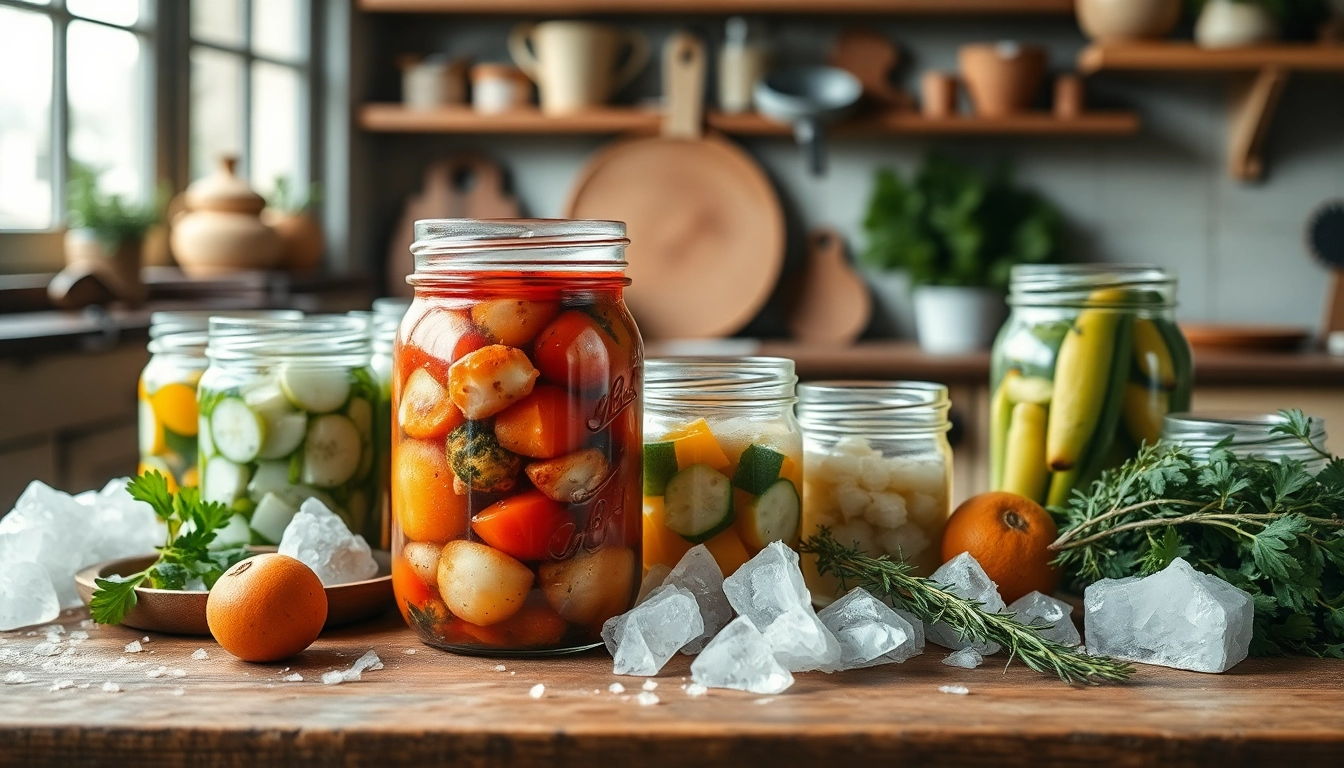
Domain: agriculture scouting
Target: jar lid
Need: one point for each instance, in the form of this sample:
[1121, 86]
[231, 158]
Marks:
[889, 408]
[223, 191]
[185, 331]
[444, 246]
[316, 339]
[1245, 434]
[710, 381]
[1134, 287]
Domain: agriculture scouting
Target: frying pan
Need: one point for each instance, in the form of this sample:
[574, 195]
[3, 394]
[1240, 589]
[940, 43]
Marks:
[706, 228]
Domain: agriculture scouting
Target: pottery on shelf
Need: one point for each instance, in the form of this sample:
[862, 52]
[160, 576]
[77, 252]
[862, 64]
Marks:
[221, 229]
[1002, 78]
[1111, 20]
[301, 240]
[1227, 24]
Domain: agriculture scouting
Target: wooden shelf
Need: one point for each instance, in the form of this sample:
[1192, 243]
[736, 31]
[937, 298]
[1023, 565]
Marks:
[393, 118]
[876, 7]
[1187, 57]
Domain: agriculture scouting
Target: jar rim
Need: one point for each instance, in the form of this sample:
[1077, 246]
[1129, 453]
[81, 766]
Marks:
[1150, 286]
[704, 381]
[1245, 428]
[447, 246]
[186, 331]
[326, 339]
[894, 408]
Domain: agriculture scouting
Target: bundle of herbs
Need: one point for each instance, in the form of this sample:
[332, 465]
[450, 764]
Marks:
[1272, 528]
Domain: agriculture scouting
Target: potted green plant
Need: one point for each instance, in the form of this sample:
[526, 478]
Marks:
[105, 234]
[1232, 23]
[289, 214]
[955, 233]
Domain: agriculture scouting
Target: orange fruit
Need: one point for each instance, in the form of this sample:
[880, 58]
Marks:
[1008, 535]
[266, 608]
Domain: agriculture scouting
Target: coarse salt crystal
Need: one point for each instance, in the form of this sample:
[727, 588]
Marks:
[46, 649]
[409, 651]
[616, 688]
[956, 690]
[111, 687]
[647, 699]
[160, 672]
[178, 673]
[333, 677]
[200, 654]
[145, 639]
[134, 646]
[696, 689]
[178, 691]
[537, 691]
[294, 678]
[15, 677]
[499, 667]
[650, 685]
[61, 685]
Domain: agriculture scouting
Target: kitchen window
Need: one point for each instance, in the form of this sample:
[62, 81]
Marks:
[142, 91]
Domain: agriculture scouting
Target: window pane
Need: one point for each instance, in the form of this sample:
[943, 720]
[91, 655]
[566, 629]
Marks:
[108, 107]
[25, 120]
[216, 108]
[218, 21]
[276, 118]
[123, 12]
[276, 26]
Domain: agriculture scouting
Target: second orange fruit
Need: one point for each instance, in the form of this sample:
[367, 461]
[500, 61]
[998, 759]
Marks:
[1008, 535]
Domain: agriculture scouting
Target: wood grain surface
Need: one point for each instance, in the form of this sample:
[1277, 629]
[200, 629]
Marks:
[433, 708]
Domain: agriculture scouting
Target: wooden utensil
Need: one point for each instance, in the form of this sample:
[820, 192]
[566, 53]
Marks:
[706, 229]
[873, 59]
[826, 301]
[1325, 237]
[465, 186]
[1247, 338]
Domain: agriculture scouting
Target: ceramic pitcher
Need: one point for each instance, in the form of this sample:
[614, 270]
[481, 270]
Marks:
[577, 64]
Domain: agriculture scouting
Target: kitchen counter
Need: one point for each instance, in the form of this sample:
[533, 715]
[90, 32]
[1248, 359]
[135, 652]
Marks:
[427, 707]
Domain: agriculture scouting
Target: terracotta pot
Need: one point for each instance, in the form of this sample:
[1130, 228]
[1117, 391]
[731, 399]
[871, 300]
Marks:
[1225, 24]
[221, 229]
[300, 238]
[1107, 20]
[938, 94]
[1002, 78]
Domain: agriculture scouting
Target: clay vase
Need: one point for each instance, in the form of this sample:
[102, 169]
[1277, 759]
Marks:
[221, 230]
[1225, 24]
[301, 241]
[1112, 20]
[1002, 78]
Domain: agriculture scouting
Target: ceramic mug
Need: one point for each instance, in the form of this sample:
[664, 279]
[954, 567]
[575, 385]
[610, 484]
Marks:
[576, 64]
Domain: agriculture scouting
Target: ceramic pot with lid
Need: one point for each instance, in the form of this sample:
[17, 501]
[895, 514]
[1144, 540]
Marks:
[1225, 24]
[1110, 20]
[221, 229]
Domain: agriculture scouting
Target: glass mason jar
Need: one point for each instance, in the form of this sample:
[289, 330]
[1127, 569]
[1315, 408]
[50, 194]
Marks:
[723, 458]
[1087, 366]
[516, 395]
[286, 415]
[878, 471]
[167, 390]
[1251, 436]
[385, 321]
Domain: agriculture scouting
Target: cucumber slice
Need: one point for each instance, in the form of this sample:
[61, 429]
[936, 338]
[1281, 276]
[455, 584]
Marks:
[758, 468]
[660, 464]
[320, 390]
[360, 411]
[284, 435]
[235, 534]
[237, 430]
[270, 477]
[205, 444]
[151, 431]
[223, 481]
[772, 516]
[268, 401]
[271, 517]
[332, 451]
[698, 503]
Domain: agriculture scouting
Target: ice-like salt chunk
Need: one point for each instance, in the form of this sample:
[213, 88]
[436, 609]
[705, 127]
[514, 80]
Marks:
[904, 542]
[955, 690]
[1179, 618]
[966, 658]
[869, 632]
[200, 654]
[134, 647]
[1036, 608]
[698, 572]
[26, 595]
[963, 576]
[650, 685]
[696, 689]
[652, 580]
[537, 691]
[124, 526]
[644, 638]
[15, 677]
[616, 688]
[740, 658]
[46, 649]
[769, 591]
[647, 699]
[917, 640]
[111, 687]
[319, 538]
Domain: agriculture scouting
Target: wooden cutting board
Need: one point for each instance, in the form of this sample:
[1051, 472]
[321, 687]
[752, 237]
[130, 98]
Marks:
[706, 228]
[826, 301]
[461, 187]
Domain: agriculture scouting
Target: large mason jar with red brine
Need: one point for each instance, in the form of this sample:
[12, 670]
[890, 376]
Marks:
[516, 436]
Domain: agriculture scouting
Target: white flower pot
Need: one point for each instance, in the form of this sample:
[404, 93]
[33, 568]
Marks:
[1225, 24]
[956, 320]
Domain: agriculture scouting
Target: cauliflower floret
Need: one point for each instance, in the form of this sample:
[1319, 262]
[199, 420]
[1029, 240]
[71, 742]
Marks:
[859, 535]
[920, 475]
[851, 499]
[887, 510]
[853, 446]
[925, 509]
[842, 468]
[570, 478]
[906, 542]
[873, 473]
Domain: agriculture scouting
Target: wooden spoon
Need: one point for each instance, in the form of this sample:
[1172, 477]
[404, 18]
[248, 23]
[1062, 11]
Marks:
[826, 301]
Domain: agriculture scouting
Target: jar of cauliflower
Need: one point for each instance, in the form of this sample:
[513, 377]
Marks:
[877, 471]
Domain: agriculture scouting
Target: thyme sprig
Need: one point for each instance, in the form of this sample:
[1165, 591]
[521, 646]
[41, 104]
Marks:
[884, 577]
[1270, 527]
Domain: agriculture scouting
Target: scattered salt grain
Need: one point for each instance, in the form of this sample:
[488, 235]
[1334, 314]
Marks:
[956, 690]
[134, 647]
[369, 662]
[616, 688]
[61, 685]
[696, 689]
[511, 672]
[764, 701]
[78, 637]
[499, 667]
[15, 677]
[47, 649]
[537, 691]
[333, 677]
[52, 629]
[111, 687]
[647, 699]
[82, 686]
[409, 651]
[200, 654]
[650, 685]
[966, 658]
[178, 691]
[178, 673]
[145, 639]
[53, 637]
[153, 673]
[294, 678]
[88, 624]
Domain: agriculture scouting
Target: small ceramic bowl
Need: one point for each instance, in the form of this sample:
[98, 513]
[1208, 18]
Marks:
[183, 613]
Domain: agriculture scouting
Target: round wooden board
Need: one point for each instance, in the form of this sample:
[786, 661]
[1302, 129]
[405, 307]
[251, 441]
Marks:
[705, 226]
[1265, 338]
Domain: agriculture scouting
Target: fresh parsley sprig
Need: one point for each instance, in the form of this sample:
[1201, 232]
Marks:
[884, 577]
[1272, 528]
[192, 526]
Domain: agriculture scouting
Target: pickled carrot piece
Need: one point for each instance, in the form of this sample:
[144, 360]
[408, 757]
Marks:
[408, 587]
[423, 499]
[175, 407]
[661, 545]
[542, 425]
[698, 446]
[728, 551]
[424, 410]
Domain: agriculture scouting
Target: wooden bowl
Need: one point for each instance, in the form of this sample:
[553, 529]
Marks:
[1246, 338]
[183, 613]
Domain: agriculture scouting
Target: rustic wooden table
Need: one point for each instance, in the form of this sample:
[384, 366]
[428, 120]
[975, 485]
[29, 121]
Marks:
[431, 708]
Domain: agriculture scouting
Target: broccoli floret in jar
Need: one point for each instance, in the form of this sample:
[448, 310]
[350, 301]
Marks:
[479, 461]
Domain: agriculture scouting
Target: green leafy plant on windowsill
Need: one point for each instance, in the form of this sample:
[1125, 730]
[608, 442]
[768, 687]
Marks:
[955, 225]
[112, 219]
[288, 200]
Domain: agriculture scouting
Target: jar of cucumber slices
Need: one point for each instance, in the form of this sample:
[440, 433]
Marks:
[1087, 366]
[287, 414]
[387, 315]
[723, 458]
[167, 390]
